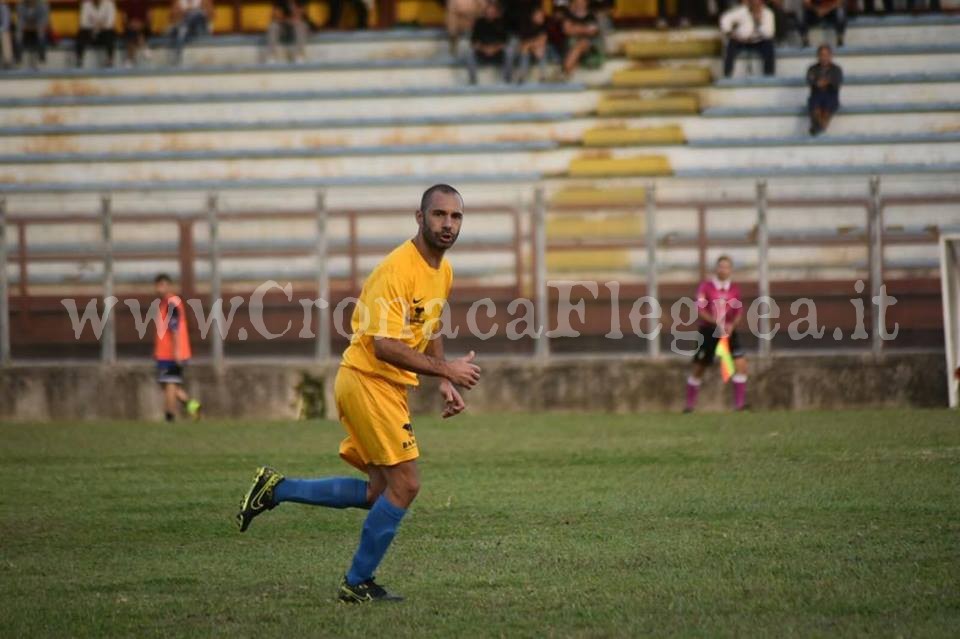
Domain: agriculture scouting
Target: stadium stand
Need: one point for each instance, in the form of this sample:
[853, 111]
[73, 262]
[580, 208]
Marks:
[377, 114]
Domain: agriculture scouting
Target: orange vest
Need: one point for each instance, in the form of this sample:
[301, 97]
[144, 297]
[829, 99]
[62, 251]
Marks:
[172, 330]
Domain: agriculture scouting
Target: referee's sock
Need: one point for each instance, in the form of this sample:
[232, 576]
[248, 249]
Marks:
[739, 390]
[379, 529]
[333, 492]
[693, 389]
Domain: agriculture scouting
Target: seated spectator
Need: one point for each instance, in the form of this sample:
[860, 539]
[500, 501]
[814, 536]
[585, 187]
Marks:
[190, 18]
[824, 79]
[33, 16]
[98, 20]
[288, 25]
[488, 42]
[603, 10]
[784, 19]
[6, 42]
[532, 44]
[583, 38]
[686, 13]
[460, 17]
[136, 22]
[336, 10]
[822, 11]
[748, 27]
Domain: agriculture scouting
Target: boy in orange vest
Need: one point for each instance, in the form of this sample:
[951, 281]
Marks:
[171, 350]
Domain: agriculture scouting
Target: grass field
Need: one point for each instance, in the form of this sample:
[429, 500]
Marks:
[764, 524]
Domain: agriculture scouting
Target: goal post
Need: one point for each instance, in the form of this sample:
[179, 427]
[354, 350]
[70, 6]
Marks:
[950, 289]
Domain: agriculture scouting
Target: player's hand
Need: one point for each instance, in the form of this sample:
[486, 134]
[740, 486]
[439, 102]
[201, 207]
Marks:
[453, 403]
[463, 372]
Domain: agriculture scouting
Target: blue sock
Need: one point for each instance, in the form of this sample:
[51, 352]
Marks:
[379, 529]
[333, 492]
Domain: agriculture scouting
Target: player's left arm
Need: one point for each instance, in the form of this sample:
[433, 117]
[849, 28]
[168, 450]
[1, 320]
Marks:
[173, 325]
[453, 403]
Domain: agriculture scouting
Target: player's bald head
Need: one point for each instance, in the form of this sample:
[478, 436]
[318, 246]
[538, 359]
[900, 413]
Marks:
[426, 201]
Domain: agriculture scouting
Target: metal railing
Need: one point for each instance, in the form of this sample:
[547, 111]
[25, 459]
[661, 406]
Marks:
[527, 240]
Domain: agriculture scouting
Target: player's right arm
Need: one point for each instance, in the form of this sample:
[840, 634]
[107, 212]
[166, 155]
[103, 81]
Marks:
[385, 299]
[703, 305]
[461, 371]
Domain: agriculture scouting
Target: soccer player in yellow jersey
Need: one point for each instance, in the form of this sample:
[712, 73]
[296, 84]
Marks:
[395, 338]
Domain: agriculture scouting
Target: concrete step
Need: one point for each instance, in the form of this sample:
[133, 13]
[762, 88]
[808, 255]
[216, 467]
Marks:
[251, 49]
[861, 31]
[438, 71]
[422, 43]
[253, 106]
[560, 127]
[861, 94]
[560, 161]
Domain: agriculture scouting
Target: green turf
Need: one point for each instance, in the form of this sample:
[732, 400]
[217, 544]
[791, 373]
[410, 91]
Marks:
[766, 524]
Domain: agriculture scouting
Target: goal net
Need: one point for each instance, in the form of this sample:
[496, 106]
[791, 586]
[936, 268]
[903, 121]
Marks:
[950, 284]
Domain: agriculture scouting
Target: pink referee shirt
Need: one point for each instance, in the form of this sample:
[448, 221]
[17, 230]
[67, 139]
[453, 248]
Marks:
[715, 296]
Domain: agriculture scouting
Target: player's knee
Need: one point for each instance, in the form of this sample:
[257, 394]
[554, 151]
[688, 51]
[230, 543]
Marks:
[410, 487]
[406, 488]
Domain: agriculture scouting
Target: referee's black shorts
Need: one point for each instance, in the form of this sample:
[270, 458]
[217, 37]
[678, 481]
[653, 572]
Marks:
[708, 346]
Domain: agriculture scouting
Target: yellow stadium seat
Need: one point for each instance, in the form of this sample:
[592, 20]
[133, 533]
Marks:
[589, 196]
[662, 77]
[623, 136]
[635, 105]
[255, 17]
[593, 260]
[620, 166]
[664, 48]
[574, 226]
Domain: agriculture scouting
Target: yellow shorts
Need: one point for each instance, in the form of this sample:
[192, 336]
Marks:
[374, 413]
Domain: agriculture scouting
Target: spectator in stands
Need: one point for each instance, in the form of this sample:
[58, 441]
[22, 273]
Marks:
[603, 10]
[136, 20]
[6, 42]
[686, 13]
[822, 11]
[531, 43]
[583, 38]
[336, 10]
[824, 79]
[98, 20]
[190, 18]
[488, 42]
[289, 25]
[33, 16]
[784, 18]
[749, 27]
[460, 17]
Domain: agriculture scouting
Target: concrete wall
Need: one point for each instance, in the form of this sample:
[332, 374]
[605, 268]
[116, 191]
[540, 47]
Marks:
[267, 391]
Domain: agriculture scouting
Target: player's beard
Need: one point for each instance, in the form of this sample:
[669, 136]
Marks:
[435, 240]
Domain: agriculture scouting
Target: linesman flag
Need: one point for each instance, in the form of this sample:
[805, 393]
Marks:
[725, 357]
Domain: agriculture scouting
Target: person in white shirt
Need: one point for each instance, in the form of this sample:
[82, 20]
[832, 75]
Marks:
[749, 27]
[190, 18]
[98, 22]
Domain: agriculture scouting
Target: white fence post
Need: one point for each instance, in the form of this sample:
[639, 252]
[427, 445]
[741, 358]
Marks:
[875, 226]
[213, 227]
[763, 262]
[322, 353]
[653, 286]
[108, 341]
[542, 345]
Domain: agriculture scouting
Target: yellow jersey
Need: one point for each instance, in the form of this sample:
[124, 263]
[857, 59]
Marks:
[402, 299]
